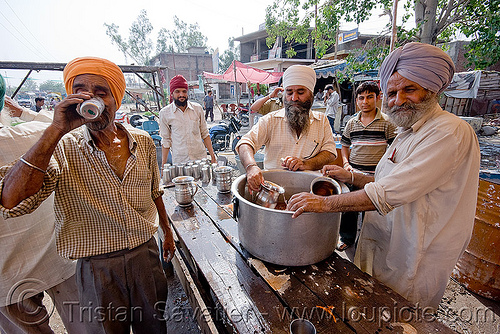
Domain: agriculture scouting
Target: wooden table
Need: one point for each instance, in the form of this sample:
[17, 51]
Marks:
[233, 292]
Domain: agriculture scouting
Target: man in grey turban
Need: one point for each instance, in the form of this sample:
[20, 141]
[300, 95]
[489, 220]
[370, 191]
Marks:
[422, 199]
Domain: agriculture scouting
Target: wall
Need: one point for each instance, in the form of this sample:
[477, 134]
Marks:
[189, 65]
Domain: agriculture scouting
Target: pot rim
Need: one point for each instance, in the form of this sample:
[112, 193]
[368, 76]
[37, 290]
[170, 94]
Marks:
[234, 190]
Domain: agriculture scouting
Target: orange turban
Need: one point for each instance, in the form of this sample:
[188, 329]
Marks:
[98, 66]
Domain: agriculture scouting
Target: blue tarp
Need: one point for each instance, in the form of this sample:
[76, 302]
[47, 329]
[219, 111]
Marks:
[329, 71]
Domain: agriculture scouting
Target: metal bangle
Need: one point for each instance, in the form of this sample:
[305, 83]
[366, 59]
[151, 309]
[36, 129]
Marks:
[352, 177]
[250, 164]
[32, 166]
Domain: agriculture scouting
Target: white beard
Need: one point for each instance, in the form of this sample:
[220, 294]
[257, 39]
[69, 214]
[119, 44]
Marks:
[409, 113]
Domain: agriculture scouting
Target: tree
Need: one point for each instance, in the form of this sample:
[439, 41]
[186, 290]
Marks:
[139, 45]
[183, 36]
[52, 86]
[29, 85]
[139, 42]
[283, 19]
[434, 20]
[228, 55]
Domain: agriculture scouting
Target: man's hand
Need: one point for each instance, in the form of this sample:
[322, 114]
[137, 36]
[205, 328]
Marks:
[66, 118]
[293, 163]
[337, 173]
[168, 246]
[275, 92]
[307, 202]
[13, 107]
[254, 178]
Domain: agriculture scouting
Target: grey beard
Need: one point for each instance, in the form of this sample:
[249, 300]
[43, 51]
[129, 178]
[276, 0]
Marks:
[409, 113]
[101, 124]
[297, 115]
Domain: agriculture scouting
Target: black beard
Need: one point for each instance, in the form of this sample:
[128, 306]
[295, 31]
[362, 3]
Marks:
[297, 114]
[180, 103]
[409, 113]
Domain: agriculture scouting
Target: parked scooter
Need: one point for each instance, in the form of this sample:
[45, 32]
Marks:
[220, 134]
[148, 124]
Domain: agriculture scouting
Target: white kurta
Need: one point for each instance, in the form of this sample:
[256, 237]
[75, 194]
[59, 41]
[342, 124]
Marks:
[29, 263]
[425, 192]
[184, 132]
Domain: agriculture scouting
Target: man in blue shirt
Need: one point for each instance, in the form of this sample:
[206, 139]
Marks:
[208, 103]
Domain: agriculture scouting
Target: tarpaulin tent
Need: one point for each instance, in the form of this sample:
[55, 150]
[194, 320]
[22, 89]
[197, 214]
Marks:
[239, 72]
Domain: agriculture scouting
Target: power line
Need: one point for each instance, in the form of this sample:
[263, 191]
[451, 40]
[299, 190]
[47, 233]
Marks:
[10, 32]
[36, 39]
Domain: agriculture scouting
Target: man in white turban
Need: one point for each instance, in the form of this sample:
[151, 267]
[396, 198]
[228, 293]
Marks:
[423, 195]
[295, 137]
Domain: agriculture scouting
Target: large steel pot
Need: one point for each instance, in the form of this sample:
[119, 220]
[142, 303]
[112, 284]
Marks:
[273, 236]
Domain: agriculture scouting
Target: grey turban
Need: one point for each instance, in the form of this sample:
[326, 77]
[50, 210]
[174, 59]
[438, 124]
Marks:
[427, 65]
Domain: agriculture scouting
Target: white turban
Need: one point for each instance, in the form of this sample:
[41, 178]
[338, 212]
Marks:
[300, 75]
[425, 64]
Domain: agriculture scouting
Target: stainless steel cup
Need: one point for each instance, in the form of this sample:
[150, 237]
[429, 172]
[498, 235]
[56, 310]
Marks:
[185, 189]
[196, 171]
[268, 194]
[173, 171]
[223, 178]
[213, 167]
[325, 186]
[205, 174]
[179, 169]
[166, 177]
[188, 170]
[302, 326]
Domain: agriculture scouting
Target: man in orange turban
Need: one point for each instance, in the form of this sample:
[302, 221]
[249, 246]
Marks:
[97, 66]
[107, 197]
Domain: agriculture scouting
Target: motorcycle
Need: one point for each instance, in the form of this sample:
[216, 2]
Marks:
[243, 115]
[220, 134]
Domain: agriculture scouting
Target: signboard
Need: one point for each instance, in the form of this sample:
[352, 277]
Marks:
[348, 36]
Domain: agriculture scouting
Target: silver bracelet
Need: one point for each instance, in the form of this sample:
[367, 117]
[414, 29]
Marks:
[32, 166]
[352, 177]
[250, 164]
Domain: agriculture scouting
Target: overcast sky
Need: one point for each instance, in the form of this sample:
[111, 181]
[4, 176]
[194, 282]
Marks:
[58, 31]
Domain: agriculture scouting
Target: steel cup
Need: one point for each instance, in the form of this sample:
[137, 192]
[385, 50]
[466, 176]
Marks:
[185, 189]
[166, 177]
[179, 170]
[302, 326]
[205, 174]
[223, 178]
[173, 171]
[196, 171]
